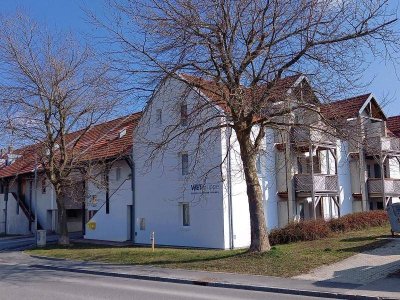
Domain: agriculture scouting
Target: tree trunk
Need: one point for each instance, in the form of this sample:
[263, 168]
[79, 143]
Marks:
[259, 234]
[63, 237]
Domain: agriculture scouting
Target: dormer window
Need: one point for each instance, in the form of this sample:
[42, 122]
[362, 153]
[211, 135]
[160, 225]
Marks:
[184, 114]
[122, 133]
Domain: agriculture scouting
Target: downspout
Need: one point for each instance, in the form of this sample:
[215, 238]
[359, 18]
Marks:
[6, 202]
[230, 209]
[133, 206]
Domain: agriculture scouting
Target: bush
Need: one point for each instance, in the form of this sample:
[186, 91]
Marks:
[358, 221]
[317, 229]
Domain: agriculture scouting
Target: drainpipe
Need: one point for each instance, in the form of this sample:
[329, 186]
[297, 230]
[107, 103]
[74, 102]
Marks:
[230, 210]
[133, 206]
[6, 209]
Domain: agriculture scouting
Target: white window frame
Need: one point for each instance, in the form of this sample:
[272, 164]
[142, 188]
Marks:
[185, 211]
[183, 110]
[117, 173]
[184, 164]
[159, 117]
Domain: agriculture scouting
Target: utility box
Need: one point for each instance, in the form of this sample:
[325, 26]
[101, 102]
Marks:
[41, 238]
[394, 217]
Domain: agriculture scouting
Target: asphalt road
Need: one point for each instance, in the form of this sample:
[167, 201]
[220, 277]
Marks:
[15, 243]
[19, 281]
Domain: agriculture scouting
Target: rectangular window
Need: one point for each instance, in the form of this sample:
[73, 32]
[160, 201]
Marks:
[185, 163]
[44, 186]
[184, 115]
[185, 214]
[258, 164]
[142, 224]
[118, 174]
[377, 171]
[159, 117]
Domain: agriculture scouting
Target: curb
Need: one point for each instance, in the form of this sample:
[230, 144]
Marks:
[319, 294]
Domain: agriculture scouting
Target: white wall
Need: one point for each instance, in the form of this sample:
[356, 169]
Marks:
[346, 197]
[114, 226]
[17, 223]
[160, 186]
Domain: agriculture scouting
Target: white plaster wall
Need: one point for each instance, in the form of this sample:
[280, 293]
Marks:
[160, 186]
[344, 174]
[114, 226]
[17, 223]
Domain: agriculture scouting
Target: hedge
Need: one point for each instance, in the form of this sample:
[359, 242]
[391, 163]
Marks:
[317, 229]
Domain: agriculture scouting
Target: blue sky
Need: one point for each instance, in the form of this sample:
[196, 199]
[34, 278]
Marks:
[67, 15]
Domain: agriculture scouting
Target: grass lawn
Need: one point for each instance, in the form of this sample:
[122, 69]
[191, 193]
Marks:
[283, 260]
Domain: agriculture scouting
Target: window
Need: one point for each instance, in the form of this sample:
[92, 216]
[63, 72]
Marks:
[159, 116]
[74, 213]
[184, 115]
[185, 163]
[379, 205]
[258, 163]
[369, 171]
[185, 214]
[44, 186]
[377, 171]
[118, 174]
[142, 224]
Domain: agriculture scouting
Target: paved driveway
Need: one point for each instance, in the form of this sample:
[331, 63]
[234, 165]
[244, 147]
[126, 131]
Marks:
[362, 268]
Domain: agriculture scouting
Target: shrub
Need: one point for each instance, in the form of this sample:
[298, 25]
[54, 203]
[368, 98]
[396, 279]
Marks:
[302, 231]
[358, 221]
[317, 229]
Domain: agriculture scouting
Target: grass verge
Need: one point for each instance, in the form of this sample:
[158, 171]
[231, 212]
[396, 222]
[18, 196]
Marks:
[283, 260]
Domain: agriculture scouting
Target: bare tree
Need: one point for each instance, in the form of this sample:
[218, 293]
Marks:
[52, 86]
[243, 49]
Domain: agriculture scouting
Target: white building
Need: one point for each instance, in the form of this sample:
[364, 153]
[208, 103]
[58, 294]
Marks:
[191, 191]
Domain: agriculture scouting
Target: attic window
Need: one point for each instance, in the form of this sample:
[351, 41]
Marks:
[122, 133]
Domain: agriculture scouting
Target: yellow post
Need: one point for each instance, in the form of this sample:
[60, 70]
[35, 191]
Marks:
[152, 241]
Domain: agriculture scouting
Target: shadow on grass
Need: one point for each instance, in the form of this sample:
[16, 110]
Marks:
[367, 247]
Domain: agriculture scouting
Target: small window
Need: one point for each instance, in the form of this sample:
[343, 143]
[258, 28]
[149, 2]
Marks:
[379, 205]
[185, 164]
[159, 117]
[117, 174]
[258, 163]
[44, 186]
[142, 224]
[377, 171]
[185, 214]
[184, 115]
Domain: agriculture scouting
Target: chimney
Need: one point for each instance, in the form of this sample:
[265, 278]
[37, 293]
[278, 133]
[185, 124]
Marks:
[10, 149]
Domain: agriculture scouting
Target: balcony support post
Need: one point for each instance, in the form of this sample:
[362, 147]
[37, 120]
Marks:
[289, 179]
[312, 182]
[382, 165]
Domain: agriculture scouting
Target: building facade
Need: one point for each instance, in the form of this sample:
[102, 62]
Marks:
[191, 191]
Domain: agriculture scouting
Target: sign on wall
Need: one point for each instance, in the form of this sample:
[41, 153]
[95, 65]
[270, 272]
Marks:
[204, 188]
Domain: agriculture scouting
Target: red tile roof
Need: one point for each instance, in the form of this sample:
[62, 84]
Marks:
[344, 109]
[393, 124]
[213, 91]
[107, 140]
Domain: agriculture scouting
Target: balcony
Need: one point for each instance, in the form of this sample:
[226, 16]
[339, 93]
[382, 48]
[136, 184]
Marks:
[378, 144]
[392, 186]
[325, 184]
[316, 134]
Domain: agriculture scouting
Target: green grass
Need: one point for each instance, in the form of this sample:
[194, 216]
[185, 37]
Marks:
[283, 260]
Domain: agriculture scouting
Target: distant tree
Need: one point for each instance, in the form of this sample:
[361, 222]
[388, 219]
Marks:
[244, 48]
[50, 86]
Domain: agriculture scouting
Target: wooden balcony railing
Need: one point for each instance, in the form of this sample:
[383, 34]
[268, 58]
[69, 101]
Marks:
[322, 183]
[317, 134]
[382, 144]
[392, 186]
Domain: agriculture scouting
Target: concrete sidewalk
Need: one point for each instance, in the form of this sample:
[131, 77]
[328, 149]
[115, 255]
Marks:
[335, 290]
